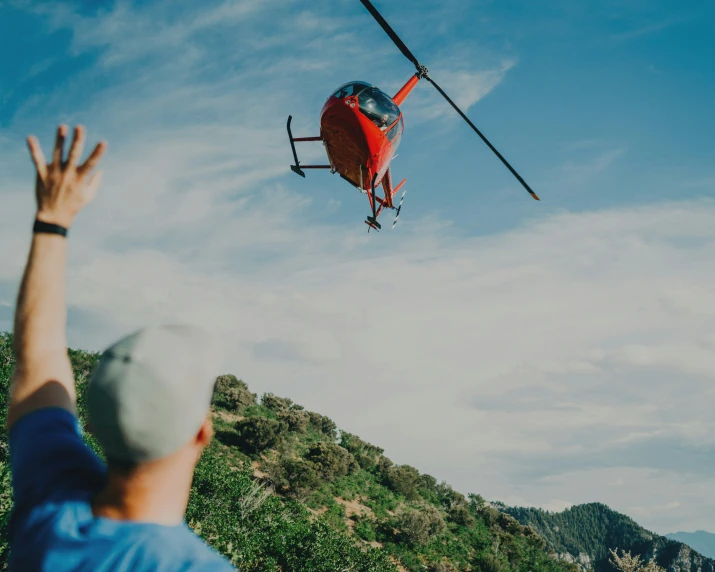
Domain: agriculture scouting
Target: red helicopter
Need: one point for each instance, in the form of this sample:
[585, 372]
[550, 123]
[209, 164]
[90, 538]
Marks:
[361, 127]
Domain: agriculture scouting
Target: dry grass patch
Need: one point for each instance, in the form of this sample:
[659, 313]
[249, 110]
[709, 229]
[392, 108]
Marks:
[228, 417]
[354, 507]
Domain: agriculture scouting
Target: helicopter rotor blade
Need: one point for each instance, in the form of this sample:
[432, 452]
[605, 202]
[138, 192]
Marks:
[503, 160]
[390, 32]
[423, 73]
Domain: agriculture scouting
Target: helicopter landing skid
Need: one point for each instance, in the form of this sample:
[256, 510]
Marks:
[297, 167]
[371, 222]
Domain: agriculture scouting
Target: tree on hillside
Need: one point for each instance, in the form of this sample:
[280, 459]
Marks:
[292, 476]
[366, 454]
[255, 434]
[276, 403]
[405, 480]
[628, 563]
[232, 394]
[418, 524]
[330, 460]
[323, 425]
[460, 514]
[296, 420]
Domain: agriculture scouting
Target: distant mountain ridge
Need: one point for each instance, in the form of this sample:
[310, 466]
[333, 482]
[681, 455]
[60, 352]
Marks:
[584, 534]
[700, 540]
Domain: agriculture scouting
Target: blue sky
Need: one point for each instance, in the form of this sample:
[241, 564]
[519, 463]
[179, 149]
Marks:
[543, 353]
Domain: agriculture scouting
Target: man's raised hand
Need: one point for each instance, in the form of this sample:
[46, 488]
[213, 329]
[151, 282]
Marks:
[62, 187]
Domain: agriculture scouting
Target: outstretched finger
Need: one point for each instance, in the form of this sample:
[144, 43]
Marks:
[38, 157]
[59, 145]
[93, 159]
[77, 146]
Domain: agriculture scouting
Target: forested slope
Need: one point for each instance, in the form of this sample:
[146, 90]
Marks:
[586, 532]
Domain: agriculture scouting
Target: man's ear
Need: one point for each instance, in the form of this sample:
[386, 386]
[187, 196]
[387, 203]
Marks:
[206, 432]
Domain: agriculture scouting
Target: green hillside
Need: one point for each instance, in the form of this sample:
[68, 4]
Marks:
[281, 489]
[586, 532]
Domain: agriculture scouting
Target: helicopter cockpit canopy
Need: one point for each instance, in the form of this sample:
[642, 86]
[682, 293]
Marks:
[378, 107]
[373, 103]
[352, 88]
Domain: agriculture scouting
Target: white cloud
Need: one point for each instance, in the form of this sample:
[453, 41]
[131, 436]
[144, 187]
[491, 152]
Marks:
[577, 173]
[461, 82]
[641, 31]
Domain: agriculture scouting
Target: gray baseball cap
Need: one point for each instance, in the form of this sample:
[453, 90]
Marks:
[152, 391]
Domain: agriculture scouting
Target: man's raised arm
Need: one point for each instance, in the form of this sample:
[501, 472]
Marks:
[43, 374]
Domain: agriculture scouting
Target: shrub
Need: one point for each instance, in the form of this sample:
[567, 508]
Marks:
[296, 420]
[419, 524]
[257, 410]
[448, 497]
[331, 460]
[486, 562]
[232, 394]
[461, 515]
[444, 566]
[365, 528]
[328, 427]
[366, 454]
[429, 484]
[276, 403]
[383, 467]
[477, 504]
[405, 480]
[255, 434]
[323, 425]
[293, 476]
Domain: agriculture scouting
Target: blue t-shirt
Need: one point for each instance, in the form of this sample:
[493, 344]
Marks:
[52, 528]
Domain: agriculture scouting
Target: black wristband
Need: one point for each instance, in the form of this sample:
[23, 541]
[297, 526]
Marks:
[50, 228]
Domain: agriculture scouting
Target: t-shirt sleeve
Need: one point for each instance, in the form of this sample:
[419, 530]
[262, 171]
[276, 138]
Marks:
[49, 458]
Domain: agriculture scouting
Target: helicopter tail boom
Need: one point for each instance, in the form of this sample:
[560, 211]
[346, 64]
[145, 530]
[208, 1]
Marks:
[405, 90]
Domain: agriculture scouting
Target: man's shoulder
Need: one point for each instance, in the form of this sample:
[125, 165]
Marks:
[179, 545]
[66, 537]
[195, 548]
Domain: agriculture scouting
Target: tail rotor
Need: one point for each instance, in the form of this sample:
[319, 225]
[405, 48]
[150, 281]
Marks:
[399, 208]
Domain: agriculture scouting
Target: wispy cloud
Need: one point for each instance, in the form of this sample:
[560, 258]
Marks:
[466, 87]
[592, 162]
[647, 30]
[578, 172]
[582, 144]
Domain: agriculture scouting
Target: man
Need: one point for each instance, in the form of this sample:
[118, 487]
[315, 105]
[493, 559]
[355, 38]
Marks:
[148, 404]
